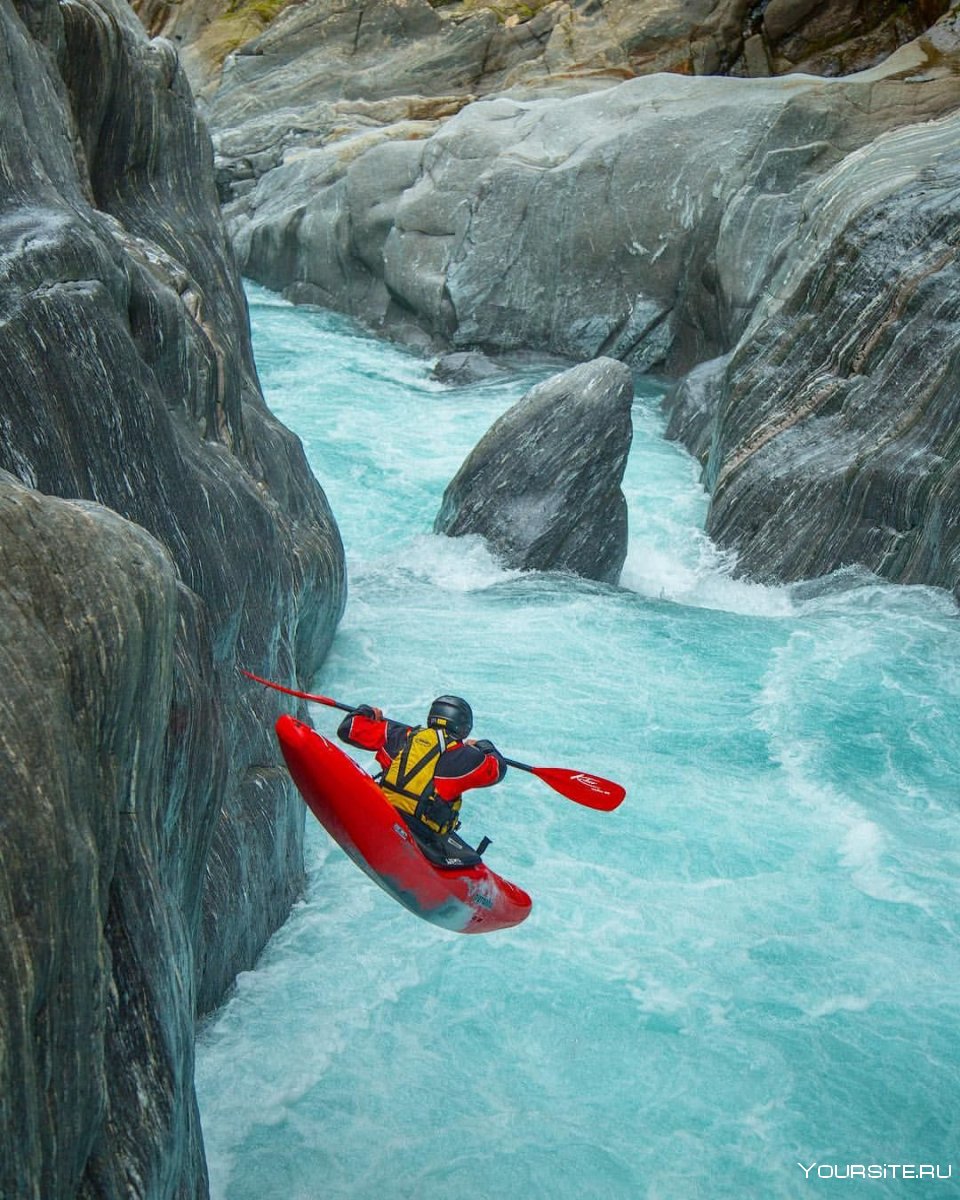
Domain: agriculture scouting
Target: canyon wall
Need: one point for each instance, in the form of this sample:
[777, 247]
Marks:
[159, 528]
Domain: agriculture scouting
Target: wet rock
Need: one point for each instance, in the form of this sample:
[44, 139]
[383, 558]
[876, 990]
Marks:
[96, 950]
[693, 403]
[307, 88]
[543, 484]
[153, 843]
[281, 80]
[638, 223]
[465, 367]
[834, 441]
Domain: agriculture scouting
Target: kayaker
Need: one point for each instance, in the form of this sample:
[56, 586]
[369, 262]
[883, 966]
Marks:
[426, 768]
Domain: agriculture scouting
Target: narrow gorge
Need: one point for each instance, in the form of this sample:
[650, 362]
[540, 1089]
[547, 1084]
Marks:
[757, 203]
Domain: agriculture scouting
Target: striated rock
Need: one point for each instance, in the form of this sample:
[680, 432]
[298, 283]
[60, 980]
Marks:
[501, 44]
[835, 428]
[644, 221]
[411, 47]
[639, 222]
[543, 484]
[741, 38]
[279, 79]
[692, 406]
[840, 38]
[98, 907]
[153, 843]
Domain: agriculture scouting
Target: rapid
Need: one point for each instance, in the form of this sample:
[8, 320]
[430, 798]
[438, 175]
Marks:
[742, 983]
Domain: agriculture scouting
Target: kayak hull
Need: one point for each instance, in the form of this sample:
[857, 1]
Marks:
[360, 819]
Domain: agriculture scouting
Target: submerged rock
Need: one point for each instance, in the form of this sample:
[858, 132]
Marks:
[465, 367]
[543, 484]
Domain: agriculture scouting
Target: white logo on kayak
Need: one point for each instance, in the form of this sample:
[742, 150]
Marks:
[477, 895]
[403, 833]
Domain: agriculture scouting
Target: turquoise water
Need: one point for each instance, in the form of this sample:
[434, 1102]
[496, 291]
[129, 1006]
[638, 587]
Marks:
[742, 983]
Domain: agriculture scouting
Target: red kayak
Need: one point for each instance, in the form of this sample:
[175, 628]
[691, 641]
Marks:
[451, 888]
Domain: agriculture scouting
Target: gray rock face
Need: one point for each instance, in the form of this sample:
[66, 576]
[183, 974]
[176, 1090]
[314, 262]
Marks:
[651, 222]
[543, 484]
[465, 367]
[692, 405]
[639, 222]
[384, 49]
[151, 831]
[835, 423]
[96, 952]
[365, 71]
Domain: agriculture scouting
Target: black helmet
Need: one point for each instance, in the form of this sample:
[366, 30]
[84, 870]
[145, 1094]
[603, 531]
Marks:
[452, 714]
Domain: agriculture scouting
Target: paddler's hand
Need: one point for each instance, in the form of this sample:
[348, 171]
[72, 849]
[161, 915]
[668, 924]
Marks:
[366, 710]
[489, 750]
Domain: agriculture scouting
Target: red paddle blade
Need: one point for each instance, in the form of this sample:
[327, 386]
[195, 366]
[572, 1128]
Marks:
[589, 790]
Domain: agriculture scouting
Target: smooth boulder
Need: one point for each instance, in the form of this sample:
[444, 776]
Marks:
[640, 222]
[543, 486]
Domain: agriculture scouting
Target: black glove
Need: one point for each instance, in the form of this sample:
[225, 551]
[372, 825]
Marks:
[487, 747]
[365, 710]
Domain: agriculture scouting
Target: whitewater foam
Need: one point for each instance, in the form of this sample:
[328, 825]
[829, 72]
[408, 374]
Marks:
[751, 961]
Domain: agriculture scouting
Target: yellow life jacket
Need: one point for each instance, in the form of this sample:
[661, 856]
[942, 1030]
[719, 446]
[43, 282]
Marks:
[408, 781]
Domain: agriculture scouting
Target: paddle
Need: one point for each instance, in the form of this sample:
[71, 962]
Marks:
[588, 790]
[278, 687]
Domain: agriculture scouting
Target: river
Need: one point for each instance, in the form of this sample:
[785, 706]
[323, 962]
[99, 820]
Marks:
[742, 983]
